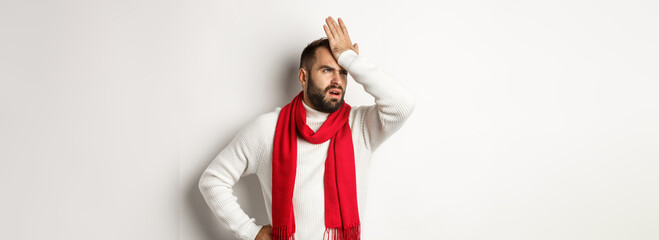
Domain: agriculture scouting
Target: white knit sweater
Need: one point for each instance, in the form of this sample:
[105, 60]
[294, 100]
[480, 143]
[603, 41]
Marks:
[250, 152]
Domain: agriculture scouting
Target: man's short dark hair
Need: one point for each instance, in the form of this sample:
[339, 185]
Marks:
[308, 57]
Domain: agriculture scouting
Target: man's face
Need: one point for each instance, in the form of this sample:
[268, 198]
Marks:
[326, 82]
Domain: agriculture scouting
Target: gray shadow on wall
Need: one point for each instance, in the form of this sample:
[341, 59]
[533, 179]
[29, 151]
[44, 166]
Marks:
[290, 84]
[248, 189]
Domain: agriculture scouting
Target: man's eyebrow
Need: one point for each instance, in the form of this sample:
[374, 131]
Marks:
[327, 66]
[330, 68]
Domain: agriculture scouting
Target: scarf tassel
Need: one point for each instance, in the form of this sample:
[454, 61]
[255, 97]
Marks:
[351, 232]
[280, 233]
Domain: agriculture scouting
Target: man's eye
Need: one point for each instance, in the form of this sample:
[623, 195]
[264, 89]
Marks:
[325, 70]
[344, 73]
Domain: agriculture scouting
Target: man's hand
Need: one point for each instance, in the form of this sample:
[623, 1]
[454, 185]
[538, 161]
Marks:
[338, 37]
[265, 233]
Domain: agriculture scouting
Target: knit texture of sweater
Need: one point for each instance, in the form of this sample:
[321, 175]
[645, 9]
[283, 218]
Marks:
[250, 152]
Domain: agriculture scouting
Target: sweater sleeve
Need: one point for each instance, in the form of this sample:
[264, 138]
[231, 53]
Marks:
[393, 103]
[236, 160]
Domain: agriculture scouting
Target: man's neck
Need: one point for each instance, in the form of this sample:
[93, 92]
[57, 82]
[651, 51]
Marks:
[313, 113]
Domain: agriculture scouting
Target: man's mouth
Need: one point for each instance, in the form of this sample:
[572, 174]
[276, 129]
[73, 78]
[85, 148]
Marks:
[335, 93]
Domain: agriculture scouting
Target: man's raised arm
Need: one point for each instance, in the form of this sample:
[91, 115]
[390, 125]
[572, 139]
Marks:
[393, 103]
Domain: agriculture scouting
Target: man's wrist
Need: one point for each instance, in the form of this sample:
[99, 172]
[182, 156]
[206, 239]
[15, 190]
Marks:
[346, 57]
[253, 231]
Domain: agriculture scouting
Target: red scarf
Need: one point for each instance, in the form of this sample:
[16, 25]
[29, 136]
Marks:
[341, 213]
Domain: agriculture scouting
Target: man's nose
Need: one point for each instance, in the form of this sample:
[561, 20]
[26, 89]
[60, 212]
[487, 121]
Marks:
[337, 78]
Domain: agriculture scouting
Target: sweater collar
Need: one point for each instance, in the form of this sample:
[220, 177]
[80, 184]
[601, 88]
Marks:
[313, 113]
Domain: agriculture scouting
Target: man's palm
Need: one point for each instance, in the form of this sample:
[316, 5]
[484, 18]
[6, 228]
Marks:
[338, 37]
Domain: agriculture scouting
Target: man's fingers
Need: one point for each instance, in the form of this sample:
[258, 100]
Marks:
[333, 27]
[343, 28]
[327, 32]
[328, 29]
[337, 28]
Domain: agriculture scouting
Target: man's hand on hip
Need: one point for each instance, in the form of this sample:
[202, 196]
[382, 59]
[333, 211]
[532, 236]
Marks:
[338, 37]
[265, 233]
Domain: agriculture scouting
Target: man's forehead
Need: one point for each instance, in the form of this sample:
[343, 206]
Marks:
[325, 58]
[329, 64]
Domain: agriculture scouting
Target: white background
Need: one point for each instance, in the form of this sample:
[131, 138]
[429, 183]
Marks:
[535, 120]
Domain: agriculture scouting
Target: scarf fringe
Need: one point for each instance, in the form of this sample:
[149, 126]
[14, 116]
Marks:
[351, 232]
[280, 233]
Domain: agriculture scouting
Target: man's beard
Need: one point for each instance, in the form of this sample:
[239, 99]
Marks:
[317, 98]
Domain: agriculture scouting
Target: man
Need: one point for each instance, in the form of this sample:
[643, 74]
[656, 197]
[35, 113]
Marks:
[311, 156]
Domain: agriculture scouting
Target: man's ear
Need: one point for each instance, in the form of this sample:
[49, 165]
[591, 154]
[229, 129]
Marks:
[302, 76]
